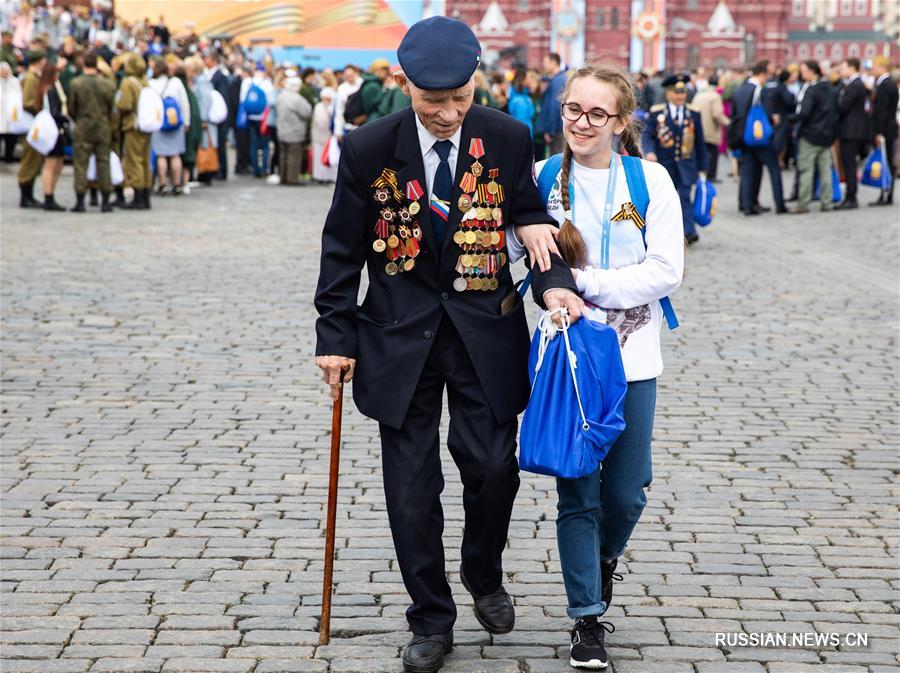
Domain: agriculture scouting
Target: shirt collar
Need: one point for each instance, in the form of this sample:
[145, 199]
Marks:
[754, 81]
[427, 139]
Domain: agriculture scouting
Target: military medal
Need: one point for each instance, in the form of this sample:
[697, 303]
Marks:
[476, 151]
[393, 241]
[379, 245]
[414, 192]
[464, 203]
[391, 269]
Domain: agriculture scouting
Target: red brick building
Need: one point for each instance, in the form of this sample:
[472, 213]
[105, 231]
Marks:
[710, 33]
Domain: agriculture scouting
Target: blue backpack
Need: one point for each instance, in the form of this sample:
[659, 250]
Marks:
[171, 112]
[757, 128]
[640, 197]
[255, 101]
[704, 202]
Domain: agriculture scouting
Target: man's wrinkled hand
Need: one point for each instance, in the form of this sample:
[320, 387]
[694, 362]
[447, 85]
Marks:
[331, 366]
[560, 297]
[540, 242]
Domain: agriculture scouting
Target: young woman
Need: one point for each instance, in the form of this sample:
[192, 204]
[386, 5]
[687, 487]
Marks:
[50, 93]
[598, 512]
[170, 145]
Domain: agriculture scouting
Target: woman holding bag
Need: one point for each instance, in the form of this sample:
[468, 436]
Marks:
[597, 196]
[51, 95]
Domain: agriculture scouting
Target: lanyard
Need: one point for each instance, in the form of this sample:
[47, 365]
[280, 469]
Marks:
[607, 207]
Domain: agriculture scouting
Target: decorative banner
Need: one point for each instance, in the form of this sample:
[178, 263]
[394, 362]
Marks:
[567, 31]
[648, 35]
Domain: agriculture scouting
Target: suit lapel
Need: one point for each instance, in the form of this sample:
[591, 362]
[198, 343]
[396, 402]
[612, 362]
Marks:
[408, 152]
[463, 163]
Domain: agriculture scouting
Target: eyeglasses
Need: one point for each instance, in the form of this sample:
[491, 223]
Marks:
[596, 117]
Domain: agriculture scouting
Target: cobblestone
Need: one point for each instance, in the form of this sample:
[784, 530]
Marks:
[164, 448]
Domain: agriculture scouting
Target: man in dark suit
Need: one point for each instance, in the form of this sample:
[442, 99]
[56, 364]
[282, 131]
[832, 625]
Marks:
[753, 159]
[424, 199]
[673, 136]
[853, 130]
[241, 136]
[220, 79]
[884, 121]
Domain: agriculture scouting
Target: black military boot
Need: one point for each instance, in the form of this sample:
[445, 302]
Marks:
[119, 201]
[50, 203]
[105, 206]
[93, 201]
[79, 205]
[145, 199]
[27, 199]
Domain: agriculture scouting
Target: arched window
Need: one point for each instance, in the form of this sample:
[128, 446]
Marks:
[837, 52]
[870, 50]
[853, 49]
[693, 56]
[820, 50]
[614, 18]
[803, 51]
[601, 17]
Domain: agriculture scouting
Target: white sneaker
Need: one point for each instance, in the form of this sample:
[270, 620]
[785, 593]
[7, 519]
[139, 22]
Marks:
[273, 179]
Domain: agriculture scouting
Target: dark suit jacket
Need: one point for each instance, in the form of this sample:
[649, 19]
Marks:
[854, 124]
[683, 164]
[391, 333]
[884, 109]
[742, 99]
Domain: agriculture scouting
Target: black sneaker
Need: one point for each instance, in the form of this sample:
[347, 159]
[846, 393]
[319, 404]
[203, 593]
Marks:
[586, 650]
[607, 575]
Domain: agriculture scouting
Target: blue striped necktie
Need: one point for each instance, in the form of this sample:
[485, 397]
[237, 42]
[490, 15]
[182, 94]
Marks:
[440, 191]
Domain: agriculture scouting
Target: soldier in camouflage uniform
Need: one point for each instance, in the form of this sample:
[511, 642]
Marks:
[91, 102]
[136, 146]
[32, 161]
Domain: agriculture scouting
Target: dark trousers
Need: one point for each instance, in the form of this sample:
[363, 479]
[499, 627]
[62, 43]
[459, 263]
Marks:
[687, 206]
[712, 160]
[276, 158]
[851, 150]
[485, 453]
[9, 147]
[890, 144]
[752, 162]
[222, 131]
[242, 148]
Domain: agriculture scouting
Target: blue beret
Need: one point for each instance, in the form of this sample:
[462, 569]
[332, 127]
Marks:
[439, 53]
[674, 80]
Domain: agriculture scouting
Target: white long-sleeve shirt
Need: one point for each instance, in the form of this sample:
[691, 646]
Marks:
[172, 86]
[263, 83]
[637, 277]
[344, 91]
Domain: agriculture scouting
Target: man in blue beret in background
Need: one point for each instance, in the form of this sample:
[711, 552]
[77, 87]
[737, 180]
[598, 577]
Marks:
[425, 199]
[673, 136]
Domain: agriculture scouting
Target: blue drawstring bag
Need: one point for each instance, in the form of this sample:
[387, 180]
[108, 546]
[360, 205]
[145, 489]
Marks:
[876, 172]
[241, 121]
[704, 202]
[578, 387]
[835, 186]
[757, 127]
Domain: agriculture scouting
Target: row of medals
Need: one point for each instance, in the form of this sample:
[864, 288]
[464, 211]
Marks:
[480, 236]
[403, 234]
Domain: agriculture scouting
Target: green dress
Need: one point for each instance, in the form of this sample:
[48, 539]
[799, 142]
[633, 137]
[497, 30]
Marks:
[195, 133]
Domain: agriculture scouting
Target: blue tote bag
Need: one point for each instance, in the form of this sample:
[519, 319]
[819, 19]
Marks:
[757, 127]
[704, 202]
[876, 172]
[578, 387]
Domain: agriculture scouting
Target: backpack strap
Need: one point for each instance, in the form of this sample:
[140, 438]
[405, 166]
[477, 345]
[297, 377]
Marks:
[545, 182]
[640, 197]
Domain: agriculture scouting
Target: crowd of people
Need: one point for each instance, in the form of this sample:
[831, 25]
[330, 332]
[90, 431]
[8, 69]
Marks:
[286, 123]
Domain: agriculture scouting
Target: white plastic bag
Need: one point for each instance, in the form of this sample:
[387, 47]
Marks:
[20, 120]
[44, 133]
[116, 174]
[150, 111]
[334, 151]
[218, 109]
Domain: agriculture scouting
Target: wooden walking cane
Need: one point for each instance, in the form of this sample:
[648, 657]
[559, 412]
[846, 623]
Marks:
[327, 581]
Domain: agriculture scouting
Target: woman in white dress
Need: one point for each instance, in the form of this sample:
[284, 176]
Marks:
[321, 133]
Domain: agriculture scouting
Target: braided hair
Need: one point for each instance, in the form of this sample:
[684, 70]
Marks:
[570, 241]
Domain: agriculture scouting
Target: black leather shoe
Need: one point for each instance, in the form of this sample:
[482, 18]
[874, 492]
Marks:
[758, 209]
[847, 205]
[692, 238]
[493, 611]
[750, 212]
[425, 654]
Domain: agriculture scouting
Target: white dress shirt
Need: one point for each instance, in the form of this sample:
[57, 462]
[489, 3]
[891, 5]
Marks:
[676, 113]
[430, 158]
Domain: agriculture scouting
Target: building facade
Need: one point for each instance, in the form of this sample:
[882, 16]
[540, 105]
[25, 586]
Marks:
[682, 34]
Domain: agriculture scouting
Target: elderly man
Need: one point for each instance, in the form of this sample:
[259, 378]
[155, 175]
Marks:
[294, 114]
[425, 198]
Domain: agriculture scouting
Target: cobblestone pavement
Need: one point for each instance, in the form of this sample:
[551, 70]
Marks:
[165, 455]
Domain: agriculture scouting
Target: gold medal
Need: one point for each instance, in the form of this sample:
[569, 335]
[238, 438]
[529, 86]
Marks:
[476, 283]
[479, 213]
[497, 214]
[460, 284]
[409, 265]
[465, 202]
[379, 245]
[466, 260]
[477, 169]
[488, 214]
[470, 237]
[459, 237]
[393, 241]
[414, 208]
[495, 238]
[494, 283]
[391, 269]
[492, 187]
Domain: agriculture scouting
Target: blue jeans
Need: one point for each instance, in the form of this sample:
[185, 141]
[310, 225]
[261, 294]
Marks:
[258, 142]
[598, 512]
